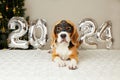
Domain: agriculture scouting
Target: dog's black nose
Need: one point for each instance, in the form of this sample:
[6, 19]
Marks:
[63, 36]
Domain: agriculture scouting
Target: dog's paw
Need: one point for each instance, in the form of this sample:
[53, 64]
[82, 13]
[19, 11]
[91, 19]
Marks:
[59, 62]
[72, 65]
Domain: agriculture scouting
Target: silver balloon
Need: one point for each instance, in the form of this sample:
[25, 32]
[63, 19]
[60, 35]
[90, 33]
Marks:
[104, 35]
[87, 28]
[13, 39]
[93, 36]
[38, 33]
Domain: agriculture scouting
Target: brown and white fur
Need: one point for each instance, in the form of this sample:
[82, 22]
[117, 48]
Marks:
[64, 44]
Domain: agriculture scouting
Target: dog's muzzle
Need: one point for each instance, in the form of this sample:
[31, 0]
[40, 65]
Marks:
[63, 36]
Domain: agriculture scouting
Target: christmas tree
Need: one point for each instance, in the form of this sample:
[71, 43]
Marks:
[8, 9]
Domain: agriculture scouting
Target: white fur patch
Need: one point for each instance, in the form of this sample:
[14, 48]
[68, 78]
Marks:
[63, 51]
[59, 39]
[72, 64]
[59, 62]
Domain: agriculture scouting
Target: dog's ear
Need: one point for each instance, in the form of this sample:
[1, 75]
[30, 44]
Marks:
[74, 37]
[54, 34]
[53, 38]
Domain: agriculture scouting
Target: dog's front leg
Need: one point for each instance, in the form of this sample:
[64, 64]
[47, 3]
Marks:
[56, 58]
[59, 62]
[73, 61]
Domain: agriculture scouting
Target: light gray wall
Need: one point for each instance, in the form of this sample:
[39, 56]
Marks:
[76, 10]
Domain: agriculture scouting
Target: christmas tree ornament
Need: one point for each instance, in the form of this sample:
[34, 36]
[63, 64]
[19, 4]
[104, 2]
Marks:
[14, 37]
[4, 1]
[1, 15]
[94, 36]
[38, 33]
[0, 2]
[3, 30]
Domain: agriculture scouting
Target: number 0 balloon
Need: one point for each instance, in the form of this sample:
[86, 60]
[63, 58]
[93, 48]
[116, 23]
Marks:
[38, 33]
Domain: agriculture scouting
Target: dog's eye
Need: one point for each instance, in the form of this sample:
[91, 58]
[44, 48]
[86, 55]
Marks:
[59, 29]
[68, 28]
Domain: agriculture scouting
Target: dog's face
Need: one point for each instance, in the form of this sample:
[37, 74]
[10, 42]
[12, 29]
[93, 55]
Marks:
[64, 32]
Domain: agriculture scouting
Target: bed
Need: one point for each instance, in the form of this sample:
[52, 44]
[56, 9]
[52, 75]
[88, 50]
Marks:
[37, 65]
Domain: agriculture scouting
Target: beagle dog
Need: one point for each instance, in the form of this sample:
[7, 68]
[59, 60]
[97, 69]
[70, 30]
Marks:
[64, 44]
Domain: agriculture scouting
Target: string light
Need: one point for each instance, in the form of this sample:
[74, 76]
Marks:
[14, 9]
[6, 5]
